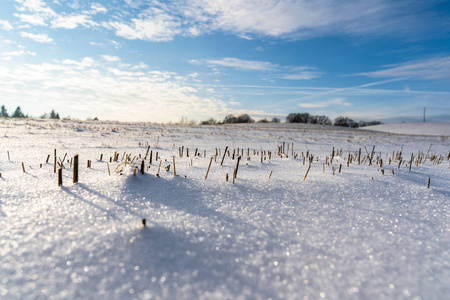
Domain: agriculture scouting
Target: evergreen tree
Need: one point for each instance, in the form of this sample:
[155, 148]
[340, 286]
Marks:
[18, 113]
[57, 116]
[3, 112]
[52, 114]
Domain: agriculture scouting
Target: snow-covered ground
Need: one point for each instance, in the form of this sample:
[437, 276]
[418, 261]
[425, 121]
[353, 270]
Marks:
[357, 234]
[439, 129]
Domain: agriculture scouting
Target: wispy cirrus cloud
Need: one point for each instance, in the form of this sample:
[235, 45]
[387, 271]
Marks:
[5, 25]
[72, 21]
[288, 19]
[428, 69]
[34, 6]
[98, 8]
[301, 73]
[14, 53]
[335, 101]
[275, 71]
[236, 63]
[41, 38]
[10, 54]
[86, 62]
[158, 21]
[154, 24]
[34, 12]
[38, 12]
[110, 58]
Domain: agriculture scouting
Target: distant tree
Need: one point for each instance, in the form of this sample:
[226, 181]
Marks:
[306, 118]
[53, 115]
[323, 120]
[312, 119]
[275, 120]
[368, 123]
[263, 121]
[95, 119]
[4, 112]
[18, 113]
[230, 119]
[298, 118]
[210, 121]
[245, 119]
[345, 122]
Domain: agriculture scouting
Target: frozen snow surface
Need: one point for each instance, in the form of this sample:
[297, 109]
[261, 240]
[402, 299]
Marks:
[439, 129]
[373, 230]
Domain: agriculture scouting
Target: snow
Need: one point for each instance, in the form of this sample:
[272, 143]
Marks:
[357, 234]
[439, 129]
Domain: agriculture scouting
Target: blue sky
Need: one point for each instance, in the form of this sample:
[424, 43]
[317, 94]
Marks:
[158, 61]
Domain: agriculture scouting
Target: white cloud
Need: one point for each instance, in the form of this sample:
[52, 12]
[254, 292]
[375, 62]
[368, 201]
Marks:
[335, 101]
[291, 19]
[86, 62]
[72, 21]
[5, 25]
[277, 71]
[14, 53]
[9, 55]
[240, 64]
[38, 13]
[110, 58]
[33, 19]
[34, 6]
[304, 18]
[98, 8]
[430, 69]
[140, 65]
[301, 76]
[97, 44]
[125, 74]
[41, 38]
[153, 25]
[75, 4]
[81, 87]
[134, 3]
[34, 12]
[161, 21]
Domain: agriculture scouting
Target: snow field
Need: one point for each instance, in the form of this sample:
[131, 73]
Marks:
[342, 236]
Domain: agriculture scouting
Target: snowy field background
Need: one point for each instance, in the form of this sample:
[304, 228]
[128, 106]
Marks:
[357, 234]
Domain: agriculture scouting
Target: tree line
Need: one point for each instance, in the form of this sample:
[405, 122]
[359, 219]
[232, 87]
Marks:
[16, 114]
[304, 118]
[231, 119]
[19, 114]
